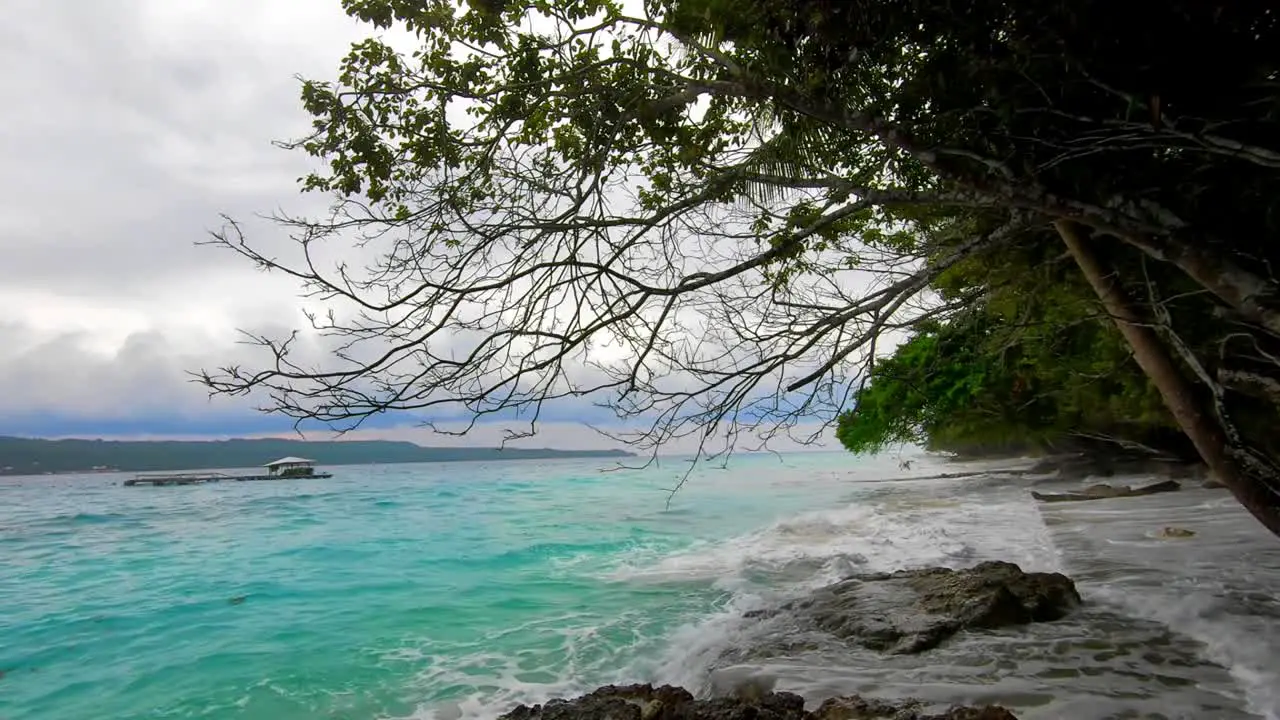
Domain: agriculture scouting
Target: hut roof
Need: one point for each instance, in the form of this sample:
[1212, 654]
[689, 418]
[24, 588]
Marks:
[291, 461]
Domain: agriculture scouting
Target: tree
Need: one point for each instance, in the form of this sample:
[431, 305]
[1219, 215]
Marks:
[747, 201]
[970, 386]
[1037, 365]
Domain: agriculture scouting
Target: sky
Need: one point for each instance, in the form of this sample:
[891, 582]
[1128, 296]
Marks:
[129, 127]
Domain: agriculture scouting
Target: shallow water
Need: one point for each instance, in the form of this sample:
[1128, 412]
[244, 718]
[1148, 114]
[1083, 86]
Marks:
[440, 591]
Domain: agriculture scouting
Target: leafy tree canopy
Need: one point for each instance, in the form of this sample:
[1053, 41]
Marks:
[715, 214]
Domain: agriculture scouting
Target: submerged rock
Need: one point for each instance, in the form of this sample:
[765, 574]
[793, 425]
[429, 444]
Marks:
[859, 708]
[646, 702]
[1099, 492]
[1176, 532]
[911, 611]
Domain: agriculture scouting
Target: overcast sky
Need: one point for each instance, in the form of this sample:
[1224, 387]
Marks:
[128, 126]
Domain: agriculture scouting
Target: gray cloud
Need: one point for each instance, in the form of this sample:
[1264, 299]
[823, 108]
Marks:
[66, 374]
[129, 126]
[59, 384]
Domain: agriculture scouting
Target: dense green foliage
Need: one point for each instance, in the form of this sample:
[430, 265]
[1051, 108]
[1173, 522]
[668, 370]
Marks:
[744, 200]
[978, 385]
[32, 456]
[1033, 365]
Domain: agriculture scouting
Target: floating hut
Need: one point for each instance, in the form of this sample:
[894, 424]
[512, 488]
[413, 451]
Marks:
[283, 469]
[292, 467]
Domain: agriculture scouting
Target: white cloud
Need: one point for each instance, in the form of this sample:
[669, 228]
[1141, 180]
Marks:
[131, 126]
[139, 122]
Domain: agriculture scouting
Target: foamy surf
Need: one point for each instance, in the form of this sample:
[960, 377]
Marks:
[429, 593]
[881, 529]
[1219, 586]
[1179, 662]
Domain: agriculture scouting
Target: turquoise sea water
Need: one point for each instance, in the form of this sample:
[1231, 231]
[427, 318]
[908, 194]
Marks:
[451, 590]
[375, 593]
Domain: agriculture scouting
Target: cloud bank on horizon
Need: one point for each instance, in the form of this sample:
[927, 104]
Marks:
[141, 122]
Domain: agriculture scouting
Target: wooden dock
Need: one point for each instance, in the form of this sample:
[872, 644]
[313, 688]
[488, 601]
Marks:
[205, 478]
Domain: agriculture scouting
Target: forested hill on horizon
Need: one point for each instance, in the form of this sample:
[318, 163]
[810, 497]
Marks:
[34, 456]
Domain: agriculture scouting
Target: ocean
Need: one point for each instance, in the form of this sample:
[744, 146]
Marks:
[458, 590]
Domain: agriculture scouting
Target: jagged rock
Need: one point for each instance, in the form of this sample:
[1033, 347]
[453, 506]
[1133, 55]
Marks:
[911, 611]
[1099, 492]
[645, 702]
[858, 708]
[740, 683]
[612, 702]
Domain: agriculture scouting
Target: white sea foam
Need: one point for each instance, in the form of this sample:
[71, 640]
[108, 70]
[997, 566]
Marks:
[882, 530]
[1122, 568]
[912, 527]
[1220, 587]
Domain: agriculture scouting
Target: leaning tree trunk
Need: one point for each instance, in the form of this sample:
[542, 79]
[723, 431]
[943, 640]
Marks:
[1252, 295]
[1179, 395]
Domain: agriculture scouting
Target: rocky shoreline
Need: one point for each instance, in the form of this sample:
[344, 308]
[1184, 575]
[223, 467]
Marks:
[1082, 466]
[1055, 469]
[909, 611]
[912, 611]
[646, 702]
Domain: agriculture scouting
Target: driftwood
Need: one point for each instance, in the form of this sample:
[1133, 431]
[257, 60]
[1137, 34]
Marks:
[1100, 492]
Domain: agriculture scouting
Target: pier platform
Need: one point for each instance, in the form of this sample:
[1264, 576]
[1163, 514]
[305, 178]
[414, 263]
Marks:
[205, 478]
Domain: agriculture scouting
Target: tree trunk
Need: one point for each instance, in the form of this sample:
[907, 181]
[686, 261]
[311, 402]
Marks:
[1179, 395]
[1252, 295]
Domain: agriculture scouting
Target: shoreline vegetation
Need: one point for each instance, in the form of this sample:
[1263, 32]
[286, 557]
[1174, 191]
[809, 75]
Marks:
[1020, 227]
[38, 456]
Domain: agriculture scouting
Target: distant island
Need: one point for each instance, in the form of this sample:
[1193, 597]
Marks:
[36, 456]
